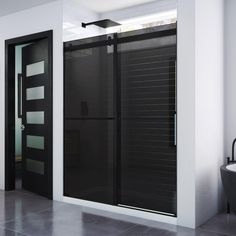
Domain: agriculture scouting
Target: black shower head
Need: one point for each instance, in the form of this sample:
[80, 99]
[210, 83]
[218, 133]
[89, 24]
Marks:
[102, 23]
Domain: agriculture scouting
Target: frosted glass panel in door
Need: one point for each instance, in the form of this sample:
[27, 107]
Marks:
[35, 142]
[35, 117]
[35, 69]
[35, 93]
[35, 166]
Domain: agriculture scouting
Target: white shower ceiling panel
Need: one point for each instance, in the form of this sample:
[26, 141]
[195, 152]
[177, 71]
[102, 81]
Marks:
[102, 6]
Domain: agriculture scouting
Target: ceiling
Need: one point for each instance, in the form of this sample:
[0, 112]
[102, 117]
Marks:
[102, 6]
[11, 6]
[99, 6]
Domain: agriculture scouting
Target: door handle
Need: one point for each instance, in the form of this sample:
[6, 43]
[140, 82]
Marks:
[175, 116]
[175, 86]
[22, 127]
[175, 129]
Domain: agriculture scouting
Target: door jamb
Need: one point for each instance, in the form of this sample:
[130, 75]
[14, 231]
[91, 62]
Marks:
[10, 106]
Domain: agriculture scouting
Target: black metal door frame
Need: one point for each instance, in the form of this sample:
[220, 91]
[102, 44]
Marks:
[115, 41]
[10, 106]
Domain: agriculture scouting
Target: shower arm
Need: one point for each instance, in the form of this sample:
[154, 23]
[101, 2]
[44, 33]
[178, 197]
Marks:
[106, 23]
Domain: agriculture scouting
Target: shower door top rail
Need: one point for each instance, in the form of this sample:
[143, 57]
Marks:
[160, 31]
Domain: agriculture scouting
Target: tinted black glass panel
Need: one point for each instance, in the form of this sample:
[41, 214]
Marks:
[89, 122]
[89, 83]
[89, 160]
[148, 151]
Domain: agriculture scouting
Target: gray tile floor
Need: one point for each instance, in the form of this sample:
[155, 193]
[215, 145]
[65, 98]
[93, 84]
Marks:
[23, 213]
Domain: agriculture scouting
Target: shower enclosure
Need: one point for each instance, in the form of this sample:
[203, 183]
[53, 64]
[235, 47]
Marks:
[120, 119]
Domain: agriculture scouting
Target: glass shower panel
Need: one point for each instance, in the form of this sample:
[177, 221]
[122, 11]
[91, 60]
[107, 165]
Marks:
[89, 160]
[89, 73]
[148, 151]
[89, 120]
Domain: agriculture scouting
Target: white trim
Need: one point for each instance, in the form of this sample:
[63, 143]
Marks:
[121, 210]
[144, 209]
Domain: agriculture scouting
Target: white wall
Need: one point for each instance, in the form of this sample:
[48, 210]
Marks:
[24, 23]
[209, 106]
[11, 6]
[75, 14]
[200, 109]
[230, 75]
[186, 113]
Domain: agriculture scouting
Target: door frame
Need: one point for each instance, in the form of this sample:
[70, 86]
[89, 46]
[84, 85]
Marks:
[10, 106]
[165, 30]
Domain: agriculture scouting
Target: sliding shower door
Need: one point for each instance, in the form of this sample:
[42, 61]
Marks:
[148, 123]
[89, 120]
[120, 119]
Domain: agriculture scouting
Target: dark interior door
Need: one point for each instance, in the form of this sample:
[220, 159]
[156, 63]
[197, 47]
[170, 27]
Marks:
[37, 118]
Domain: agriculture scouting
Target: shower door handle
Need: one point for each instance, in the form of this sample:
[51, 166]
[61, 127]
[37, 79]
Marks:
[175, 129]
[175, 116]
